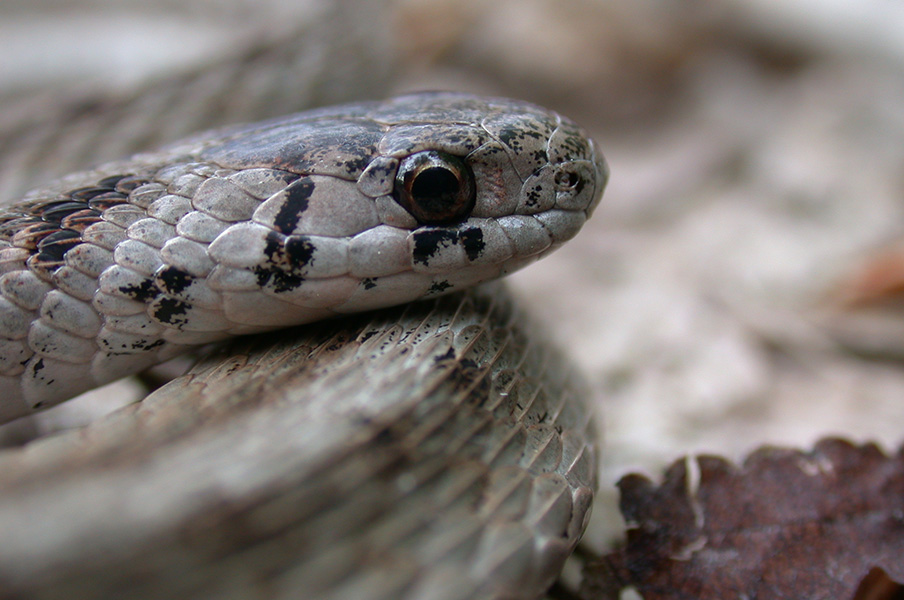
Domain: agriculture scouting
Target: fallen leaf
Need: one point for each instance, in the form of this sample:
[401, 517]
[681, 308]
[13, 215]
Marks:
[877, 585]
[784, 525]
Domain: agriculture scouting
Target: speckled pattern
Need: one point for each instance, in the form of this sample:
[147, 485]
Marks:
[269, 225]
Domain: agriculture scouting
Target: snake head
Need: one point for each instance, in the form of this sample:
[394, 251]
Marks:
[485, 185]
[414, 196]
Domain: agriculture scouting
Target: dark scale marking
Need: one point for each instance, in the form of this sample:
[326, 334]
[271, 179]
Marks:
[299, 252]
[534, 195]
[369, 283]
[128, 183]
[30, 235]
[263, 275]
[274, 249]
[81, 220]
[142, 292]
[472, 240]
[58, 236]
[57, 211]
[140, 345]
[110, 182]
[107, 201]
[287, 258]
[355, 165]
[285, 282]
[438, 287]
[53, 247]
[294, 204]
[449, 355]
[87, 193]
[38, 366]
[173, 280]
[147, 344]
[428, 242]
[171, 311]
[513, 137]
[277, 280]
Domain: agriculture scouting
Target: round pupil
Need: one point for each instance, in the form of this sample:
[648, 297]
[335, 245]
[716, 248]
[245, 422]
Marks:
[434, 188]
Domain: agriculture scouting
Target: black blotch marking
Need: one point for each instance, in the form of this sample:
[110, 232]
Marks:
[131, 347]
[295, 203]
[286, 259]
[145, 345]
[369, 283]
[472, 240]
[171, 311]
[299, 252]
[449, 355]
[142, 292]
[285, 282]
[366, 336]
[438, 287]
[355, 165]
[263, 275]
[173, 280]
[514, 137]
[428, 242]
[534, 195]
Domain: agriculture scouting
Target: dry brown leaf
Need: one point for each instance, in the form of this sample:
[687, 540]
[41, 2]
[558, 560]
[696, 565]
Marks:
[877, 585]
[784, 525]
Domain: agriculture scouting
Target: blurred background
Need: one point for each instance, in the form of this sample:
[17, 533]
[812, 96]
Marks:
[739, 283]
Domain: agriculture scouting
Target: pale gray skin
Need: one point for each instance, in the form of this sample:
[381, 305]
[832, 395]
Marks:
[270, 225]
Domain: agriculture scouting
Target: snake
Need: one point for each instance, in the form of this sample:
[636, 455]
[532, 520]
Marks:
[408, 436]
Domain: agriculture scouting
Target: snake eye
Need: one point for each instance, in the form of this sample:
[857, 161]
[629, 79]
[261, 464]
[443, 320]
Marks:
[435, 187]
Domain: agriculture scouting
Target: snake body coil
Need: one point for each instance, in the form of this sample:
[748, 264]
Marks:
[435, 450]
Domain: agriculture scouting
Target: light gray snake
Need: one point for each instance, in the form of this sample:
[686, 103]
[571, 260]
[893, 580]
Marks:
[430, 451]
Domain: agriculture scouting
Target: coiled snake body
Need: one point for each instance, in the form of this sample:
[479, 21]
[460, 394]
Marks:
[433, 451]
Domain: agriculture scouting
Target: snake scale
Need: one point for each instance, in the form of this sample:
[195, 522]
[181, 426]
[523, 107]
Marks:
[434, 450]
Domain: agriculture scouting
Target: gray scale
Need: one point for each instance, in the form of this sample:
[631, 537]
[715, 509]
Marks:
[64, 313]
[74, 282]
[187, 255]
[153, 232]
[224, 200]
[169, 208]
[200, 227]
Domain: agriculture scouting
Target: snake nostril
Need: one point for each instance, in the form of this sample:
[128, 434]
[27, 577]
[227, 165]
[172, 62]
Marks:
[567, 180]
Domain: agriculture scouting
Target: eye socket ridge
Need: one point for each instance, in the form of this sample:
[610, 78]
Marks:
[435, 187]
